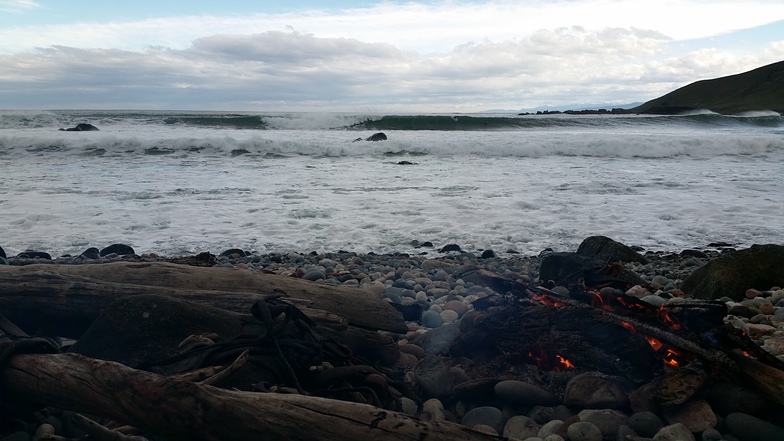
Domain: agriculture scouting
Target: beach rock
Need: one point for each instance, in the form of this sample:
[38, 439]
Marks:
[233, 253]
[2, 252]
[521, 427]
[488, 254]
[449, 248]
[314, 275]
[486, 416]
[91, 253]
[582, 431]
[711, 435]
[646, 424]
[436, 378]
[748, 428]
[608, 421]
[523, 394]
[380, 136]
[731, 274]
[550, 428]
[456, 305]
[565, 268]
[409, 406]
[414, 350]
[675, 432]
[118, 249]
[432, 319]
[432, 410]
[81, 127]
[696, 415]
[35, 255]
[595, 391]
[607, 250]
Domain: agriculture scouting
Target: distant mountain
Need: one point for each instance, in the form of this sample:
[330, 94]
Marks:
[758, 89]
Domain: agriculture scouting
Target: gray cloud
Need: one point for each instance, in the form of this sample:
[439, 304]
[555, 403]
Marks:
[277, 70]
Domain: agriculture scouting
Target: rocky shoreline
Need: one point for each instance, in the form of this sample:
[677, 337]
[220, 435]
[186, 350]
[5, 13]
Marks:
[436, 293]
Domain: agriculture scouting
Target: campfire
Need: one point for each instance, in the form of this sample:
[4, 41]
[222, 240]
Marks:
[601, 329]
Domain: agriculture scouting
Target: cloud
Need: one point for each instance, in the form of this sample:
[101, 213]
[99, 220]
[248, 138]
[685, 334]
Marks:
[17, 6]
[307, 70]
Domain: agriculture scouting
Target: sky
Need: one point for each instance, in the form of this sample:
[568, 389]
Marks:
[373, 56]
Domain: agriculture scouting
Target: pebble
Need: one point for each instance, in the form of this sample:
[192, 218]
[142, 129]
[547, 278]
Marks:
[487, 416]
[608, 421]
[582, 431]
[432, 410]
[646, 424]
[523, 394]
[674, 432]
[748, 428]
[550, 428]
[595, 391]
[696, 415]
[432, 319]
[521, 427]
[437, 285]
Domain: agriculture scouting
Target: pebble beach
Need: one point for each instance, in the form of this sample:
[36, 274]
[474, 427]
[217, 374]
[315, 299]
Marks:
[433, 280]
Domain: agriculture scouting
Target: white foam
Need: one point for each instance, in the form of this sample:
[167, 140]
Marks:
[660, 187]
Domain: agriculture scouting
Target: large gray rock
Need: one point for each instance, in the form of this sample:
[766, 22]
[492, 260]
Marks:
[607, 250]
[521, 427]
[674, 432]
[595, 391]
[523, 394]
[748, 428]
[730, 275]
[485, 416]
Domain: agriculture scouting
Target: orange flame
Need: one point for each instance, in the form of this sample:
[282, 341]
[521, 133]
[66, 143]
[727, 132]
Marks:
[664, 316]
[546, 300]
[564, 362]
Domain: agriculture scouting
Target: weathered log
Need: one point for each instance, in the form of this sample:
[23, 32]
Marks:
[182, 410]
[70, 297]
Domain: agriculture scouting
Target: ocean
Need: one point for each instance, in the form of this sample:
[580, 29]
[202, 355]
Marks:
[178, 183]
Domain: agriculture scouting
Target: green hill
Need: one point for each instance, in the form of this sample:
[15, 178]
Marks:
[758, 89]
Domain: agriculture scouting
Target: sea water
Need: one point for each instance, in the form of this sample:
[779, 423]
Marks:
[177, 183]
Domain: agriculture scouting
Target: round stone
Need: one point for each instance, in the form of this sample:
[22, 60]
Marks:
[582, 431]
[674, 432]
[521, 427]
[449, 316]
[595, 391]
[432, 319]
[748, 428]
[432, 410]
[314, 275]
[456, 305]
[550, 428]
[646, 423]
[485, 415]
[608, 421]
[523, 394]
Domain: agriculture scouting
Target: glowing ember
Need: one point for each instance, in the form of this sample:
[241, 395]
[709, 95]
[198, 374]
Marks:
[545, 361]
[564, 362]
[546, 300]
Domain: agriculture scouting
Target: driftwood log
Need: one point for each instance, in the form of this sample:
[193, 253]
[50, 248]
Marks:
[183, 410]
[65, 299]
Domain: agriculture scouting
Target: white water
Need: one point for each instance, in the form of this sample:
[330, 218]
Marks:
[660, 186]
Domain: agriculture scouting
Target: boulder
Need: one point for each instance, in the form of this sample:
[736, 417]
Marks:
[607, 250]
[118, 249]
[567, 268]
[380, 136]
[730, 275]
[82, 127]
